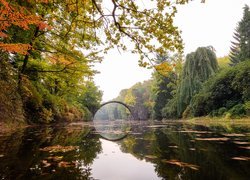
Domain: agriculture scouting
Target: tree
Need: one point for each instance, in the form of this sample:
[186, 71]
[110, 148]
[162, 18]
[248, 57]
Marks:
[161, 89]
[240, 49]
[162, 94]
[165, 83]
[139, 97]
[223, 62]
[198, 67]
[90, 97]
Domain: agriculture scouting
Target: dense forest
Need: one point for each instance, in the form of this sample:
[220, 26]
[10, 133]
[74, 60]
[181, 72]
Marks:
[48, 48]
[199, 85]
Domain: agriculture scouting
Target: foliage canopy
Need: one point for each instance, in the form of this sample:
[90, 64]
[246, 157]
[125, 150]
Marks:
[74, 24]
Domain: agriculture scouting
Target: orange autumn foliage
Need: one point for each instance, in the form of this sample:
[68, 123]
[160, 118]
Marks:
[14, 14]
[15, 48]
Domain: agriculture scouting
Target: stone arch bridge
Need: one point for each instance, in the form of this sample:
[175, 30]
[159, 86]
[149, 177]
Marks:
[130, 108]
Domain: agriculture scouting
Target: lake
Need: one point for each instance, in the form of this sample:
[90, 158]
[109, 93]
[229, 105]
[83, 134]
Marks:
[149, 150]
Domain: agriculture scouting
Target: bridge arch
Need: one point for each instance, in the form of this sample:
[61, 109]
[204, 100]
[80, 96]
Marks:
[118, 102]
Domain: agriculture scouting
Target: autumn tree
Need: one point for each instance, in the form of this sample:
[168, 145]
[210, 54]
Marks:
[13, 14]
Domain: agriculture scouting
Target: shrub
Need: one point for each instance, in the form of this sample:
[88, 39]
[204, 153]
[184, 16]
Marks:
[187, 113]
[247, 108]
[222, 111]
[228, 88]
[237, 111]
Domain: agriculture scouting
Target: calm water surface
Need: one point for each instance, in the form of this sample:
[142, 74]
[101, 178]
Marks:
[150, 151]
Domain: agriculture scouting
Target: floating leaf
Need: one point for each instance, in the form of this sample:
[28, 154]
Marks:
[241, 158]
[212, 139]
[55, 158]
[156, 126]
[59, 148]
[193, 131]
[181, 164]
[241, 142]
[244, 147]
[64, 164]
[234, 135]
[151, 157]
[46, 163]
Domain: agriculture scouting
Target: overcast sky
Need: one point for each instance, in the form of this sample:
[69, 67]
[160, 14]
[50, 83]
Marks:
[212, 23]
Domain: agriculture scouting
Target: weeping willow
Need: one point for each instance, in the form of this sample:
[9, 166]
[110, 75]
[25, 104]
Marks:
[199, 66]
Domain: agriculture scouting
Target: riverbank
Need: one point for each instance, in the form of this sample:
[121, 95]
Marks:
[6, 128]
[206, 121]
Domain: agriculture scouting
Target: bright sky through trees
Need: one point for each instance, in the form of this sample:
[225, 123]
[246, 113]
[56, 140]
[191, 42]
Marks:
[212, 23]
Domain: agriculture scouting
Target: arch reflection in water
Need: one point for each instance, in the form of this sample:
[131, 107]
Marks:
[112, 121]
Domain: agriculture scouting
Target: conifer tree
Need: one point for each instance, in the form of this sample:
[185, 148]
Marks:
[240, 49]
[161, 85]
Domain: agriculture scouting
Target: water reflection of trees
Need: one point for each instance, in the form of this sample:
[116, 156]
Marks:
[23, 159]
[157, 145]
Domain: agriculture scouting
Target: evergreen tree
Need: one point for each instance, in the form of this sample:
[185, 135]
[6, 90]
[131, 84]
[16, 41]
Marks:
[199, 66]
[240, 49]
[162, 94]
[161, 88]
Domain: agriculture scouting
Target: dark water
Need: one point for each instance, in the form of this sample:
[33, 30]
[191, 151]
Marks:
[149, 151]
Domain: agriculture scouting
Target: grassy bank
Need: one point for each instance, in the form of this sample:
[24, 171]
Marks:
[207, 121]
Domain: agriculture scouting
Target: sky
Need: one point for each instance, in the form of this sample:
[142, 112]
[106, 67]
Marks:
[202, 24]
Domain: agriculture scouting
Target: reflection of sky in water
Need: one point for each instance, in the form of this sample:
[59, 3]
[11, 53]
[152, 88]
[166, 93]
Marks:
[120, 165]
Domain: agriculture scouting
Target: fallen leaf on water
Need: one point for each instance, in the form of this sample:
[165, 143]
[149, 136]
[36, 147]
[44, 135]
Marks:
[46, 163]
[212, 139]
[64, 164]
[234, 135]
[55, 158]
[193, 131]
[151, 157]
[241, 158]
[203, 149]
[241, 142]
[59, 148]
[173, 147]
[156, 126]
[181, 164]
[192, 149]
[245, 147]
[135, 133]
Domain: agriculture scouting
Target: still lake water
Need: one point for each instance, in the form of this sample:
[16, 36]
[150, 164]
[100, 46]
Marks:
[151, 150]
